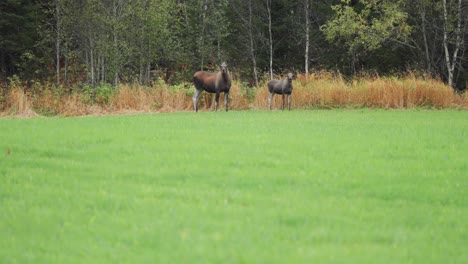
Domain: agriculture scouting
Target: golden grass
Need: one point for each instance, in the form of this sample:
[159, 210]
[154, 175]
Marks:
[318, 90]
[128, 98]
[325, 90]
[18, 104]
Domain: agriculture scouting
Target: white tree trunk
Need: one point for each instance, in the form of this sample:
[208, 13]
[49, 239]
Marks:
[452, 62]
[116, 74]
[271, 38]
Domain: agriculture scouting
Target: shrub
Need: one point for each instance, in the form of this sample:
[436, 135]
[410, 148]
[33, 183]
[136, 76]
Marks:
[316, 90]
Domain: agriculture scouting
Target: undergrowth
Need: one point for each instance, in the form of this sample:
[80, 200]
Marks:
[318, 90]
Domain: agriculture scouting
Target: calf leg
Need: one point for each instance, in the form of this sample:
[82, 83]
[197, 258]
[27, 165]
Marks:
[226, 98]
[289, 102]
[216, 101]
[195, 98]
[282, 107]
[270, 99]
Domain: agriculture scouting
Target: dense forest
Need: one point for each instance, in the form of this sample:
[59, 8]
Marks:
[66, 42]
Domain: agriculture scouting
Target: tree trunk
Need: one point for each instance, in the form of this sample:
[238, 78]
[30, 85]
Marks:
[65, 80]
[116, 63]
[140, 76]
[202, 36]
[103, 68]
[86, 51]
[246, 16]
[252, 48]
[271, 38]
[148, 73]
[422, 11]
[91, 53]
[451, 62]
[219, 51]
[57, 43]
[98, 68]
[306, 55]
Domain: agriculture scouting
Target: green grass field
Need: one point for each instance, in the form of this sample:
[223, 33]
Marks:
[336, 186]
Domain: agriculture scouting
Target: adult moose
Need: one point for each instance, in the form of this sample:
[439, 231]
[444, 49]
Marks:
[280, 87]
[219, 82]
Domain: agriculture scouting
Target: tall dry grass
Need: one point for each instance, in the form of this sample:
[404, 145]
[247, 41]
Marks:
[164, 98]
[18, 103]
[329, 90]
[318, 90]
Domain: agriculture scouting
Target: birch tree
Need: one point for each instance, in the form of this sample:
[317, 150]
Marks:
[270, 35]
[57, 39]
[307, 35]
[452, 34]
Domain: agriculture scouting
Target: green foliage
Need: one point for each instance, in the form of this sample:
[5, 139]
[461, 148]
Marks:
[248, 91]
[87, 93]
[186, 87]
[134, 41]
[268, 187]
[367, 27]
[14, 82]
[103, 93]
[18, 21]
[100, 94]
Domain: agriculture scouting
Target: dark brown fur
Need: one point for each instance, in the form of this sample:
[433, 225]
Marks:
[219, 82]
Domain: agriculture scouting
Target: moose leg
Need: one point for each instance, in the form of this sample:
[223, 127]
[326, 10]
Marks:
[270, 99]
[289, 102]
[282, 107]
[226, 98]
[216, 101]
[195, 98]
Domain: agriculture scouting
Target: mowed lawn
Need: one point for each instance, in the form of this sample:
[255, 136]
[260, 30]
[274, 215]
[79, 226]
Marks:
[321, 186]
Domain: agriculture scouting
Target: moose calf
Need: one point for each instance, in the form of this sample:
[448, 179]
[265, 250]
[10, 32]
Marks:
[280, 87]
